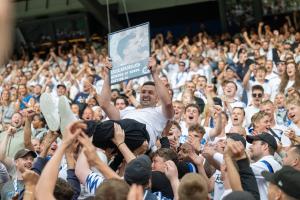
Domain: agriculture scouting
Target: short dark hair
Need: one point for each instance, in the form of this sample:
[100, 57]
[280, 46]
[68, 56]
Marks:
[197, 128]
[258, 87]
[297, 149]
[121, 97]
[194, 106]
[271, 149]
[166, 154]
[148, 83]
[116, 90]
[232, 82]
[201, 76]
[63, 190]
[241, 108]
[112, 189]
[173, 122]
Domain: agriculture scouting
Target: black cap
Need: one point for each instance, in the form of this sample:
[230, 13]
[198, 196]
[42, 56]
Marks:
[239, 195]
[237, 137]
[287, 179]
[266, 137]
[138, 171]
[61, 85]
[24, 152]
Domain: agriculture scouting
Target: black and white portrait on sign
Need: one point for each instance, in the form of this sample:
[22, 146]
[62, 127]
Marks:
[129, 50]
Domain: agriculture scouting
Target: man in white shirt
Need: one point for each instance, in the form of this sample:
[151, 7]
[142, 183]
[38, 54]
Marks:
[257, 95]
[262, 153]
[259, 79]
[273, 78]
[178, 79]
[153, 116]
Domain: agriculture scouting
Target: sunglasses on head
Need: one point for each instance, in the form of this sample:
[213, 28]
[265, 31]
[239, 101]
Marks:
[257, 95]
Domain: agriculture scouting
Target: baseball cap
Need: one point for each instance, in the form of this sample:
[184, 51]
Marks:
[138, 171]
[287, 179]
[61, 85]
[266, 137]
[23, 152]
[237, 137]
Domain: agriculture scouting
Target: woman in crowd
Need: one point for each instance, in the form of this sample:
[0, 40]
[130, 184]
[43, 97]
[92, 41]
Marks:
[290, 78]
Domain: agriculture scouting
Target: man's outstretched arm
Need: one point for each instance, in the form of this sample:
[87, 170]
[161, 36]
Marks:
[162, 91]
[104, 98]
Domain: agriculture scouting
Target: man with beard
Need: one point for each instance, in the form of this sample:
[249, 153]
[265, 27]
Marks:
[23, 160]
[262, 153]
[15, 135]
[153, 116]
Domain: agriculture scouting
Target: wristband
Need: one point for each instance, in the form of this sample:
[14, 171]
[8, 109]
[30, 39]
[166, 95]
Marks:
[120, 144]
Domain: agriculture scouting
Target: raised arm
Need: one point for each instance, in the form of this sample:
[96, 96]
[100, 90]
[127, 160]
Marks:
[260, 26]
[218, 128]
[3, 145]
[27, 129]
[247, 76]
[233, 174]
[111, 111]
[93, 159]
[172, 174]
[41, 67]
[248, 41]
[119, 141]
[45, 186]
[162, 91]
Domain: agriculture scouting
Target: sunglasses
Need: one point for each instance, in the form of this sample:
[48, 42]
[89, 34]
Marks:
[259, 95]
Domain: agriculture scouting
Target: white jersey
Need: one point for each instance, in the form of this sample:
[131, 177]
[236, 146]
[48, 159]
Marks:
[267, 163]
[152, 117]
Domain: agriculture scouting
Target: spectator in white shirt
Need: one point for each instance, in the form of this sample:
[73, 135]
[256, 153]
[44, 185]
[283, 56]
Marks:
[253, 107]
[262, 153]
[178, 79]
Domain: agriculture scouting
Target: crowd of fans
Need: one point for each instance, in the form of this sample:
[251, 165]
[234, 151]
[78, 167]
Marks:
[217, 118]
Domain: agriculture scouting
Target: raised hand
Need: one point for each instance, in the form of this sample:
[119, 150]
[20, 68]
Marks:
[171, 170]
[152, 66]
[234, 149]
[30, 178]
[119, 135]
[89, 149]
[72, 131]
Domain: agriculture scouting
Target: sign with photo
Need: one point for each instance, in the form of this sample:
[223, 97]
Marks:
[129, 50]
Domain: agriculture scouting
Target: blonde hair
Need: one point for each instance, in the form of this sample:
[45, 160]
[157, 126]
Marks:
[293, 101]
[193, 187]
[257, 117]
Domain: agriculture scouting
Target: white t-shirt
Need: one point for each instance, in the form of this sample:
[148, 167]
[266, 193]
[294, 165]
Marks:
[152, 117]
[289, 84]
[93, 181]
[258, 167]
[266, 85]
[250, 111]
[274, 82]
[286, 142]
[219, 185]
